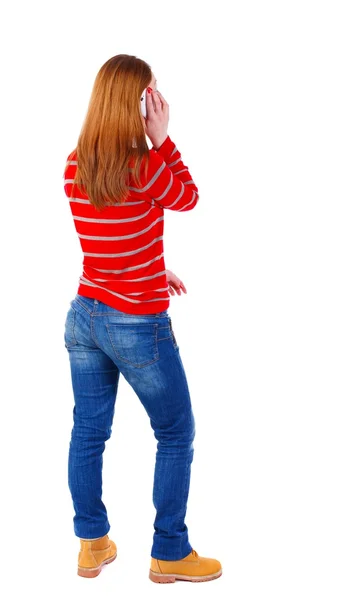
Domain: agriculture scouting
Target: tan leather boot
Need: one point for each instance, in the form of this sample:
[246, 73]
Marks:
[94, 554]
[190, 568]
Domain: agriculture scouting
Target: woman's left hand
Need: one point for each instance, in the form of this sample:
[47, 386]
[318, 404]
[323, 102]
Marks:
[175, 284]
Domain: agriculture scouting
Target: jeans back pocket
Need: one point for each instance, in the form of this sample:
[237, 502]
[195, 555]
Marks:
[135, 343]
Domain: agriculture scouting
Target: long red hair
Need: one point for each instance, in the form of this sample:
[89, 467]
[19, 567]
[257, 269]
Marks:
[112, 125]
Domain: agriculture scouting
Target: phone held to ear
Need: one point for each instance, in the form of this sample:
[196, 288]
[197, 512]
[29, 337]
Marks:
[143, 104]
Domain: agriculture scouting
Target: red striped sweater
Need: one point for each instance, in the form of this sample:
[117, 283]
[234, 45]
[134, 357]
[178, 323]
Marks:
[123, 264]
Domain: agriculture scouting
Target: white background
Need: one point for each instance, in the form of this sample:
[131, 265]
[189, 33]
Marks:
[253, 89]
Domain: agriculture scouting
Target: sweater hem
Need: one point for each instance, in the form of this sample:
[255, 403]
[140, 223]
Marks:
[144, 308]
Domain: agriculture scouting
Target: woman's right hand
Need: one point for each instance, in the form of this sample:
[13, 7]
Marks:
[156, 123]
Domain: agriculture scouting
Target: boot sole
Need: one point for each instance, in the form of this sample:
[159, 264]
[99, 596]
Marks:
[171, 577]
[94, 571]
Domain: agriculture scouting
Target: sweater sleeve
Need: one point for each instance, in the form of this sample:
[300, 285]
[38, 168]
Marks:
[169, 183]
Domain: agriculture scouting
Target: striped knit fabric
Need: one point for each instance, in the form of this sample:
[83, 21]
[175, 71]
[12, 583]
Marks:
[123, 264]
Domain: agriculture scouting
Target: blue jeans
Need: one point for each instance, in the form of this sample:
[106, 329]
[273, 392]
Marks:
[103, 342]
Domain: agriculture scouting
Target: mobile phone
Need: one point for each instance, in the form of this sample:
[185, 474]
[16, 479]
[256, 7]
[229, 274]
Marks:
[143, 103]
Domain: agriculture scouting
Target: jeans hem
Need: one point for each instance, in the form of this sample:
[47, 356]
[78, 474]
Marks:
[172, 556]
[93, 534]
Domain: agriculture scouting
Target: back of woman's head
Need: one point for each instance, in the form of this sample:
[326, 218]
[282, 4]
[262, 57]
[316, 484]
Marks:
[113, 132]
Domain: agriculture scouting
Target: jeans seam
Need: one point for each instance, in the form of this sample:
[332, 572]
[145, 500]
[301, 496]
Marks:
[93, 333]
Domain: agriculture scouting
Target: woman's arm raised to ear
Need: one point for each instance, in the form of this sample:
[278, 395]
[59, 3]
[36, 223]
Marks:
[169, 182]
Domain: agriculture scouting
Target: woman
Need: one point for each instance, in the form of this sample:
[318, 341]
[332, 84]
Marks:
[118, 321]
